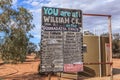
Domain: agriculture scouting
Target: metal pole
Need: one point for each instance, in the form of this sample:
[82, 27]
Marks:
[100, 55]
[102, 15]
[110, 37]
[110, 41]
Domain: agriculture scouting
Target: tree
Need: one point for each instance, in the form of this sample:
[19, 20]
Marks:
[88, 33]
[31, 47]
[105, 35]
[116, 43]
[116, 36]
[16, 24]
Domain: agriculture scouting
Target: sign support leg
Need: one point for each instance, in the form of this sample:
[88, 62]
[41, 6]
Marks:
[49, 76]
[59, 76]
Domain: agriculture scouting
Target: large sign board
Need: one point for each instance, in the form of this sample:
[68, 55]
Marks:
[61, 41]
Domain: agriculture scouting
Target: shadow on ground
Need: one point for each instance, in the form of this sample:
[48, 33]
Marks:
[25, 77]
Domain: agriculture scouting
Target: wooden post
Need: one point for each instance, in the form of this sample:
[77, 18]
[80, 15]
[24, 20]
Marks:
[59, 76]
[110, 41]
[49, 76]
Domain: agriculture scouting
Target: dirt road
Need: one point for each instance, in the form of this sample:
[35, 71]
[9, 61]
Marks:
[29, 69]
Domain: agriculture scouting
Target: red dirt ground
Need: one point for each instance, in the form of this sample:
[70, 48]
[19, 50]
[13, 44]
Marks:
[28, 71]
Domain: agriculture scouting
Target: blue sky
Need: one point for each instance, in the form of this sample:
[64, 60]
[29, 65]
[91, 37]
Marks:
[94, 24]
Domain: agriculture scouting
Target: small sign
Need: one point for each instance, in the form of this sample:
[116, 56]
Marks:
[73, 67]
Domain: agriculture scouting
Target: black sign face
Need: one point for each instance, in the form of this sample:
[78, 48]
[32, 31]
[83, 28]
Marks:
[61, 41]
[58, 19]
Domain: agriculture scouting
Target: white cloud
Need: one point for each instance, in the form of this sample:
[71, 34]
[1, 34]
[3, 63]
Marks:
[75, 4]
[35, 3]
[38, 11]
[109, 0]
[32, 2]
[27, 1]
[14, 2]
